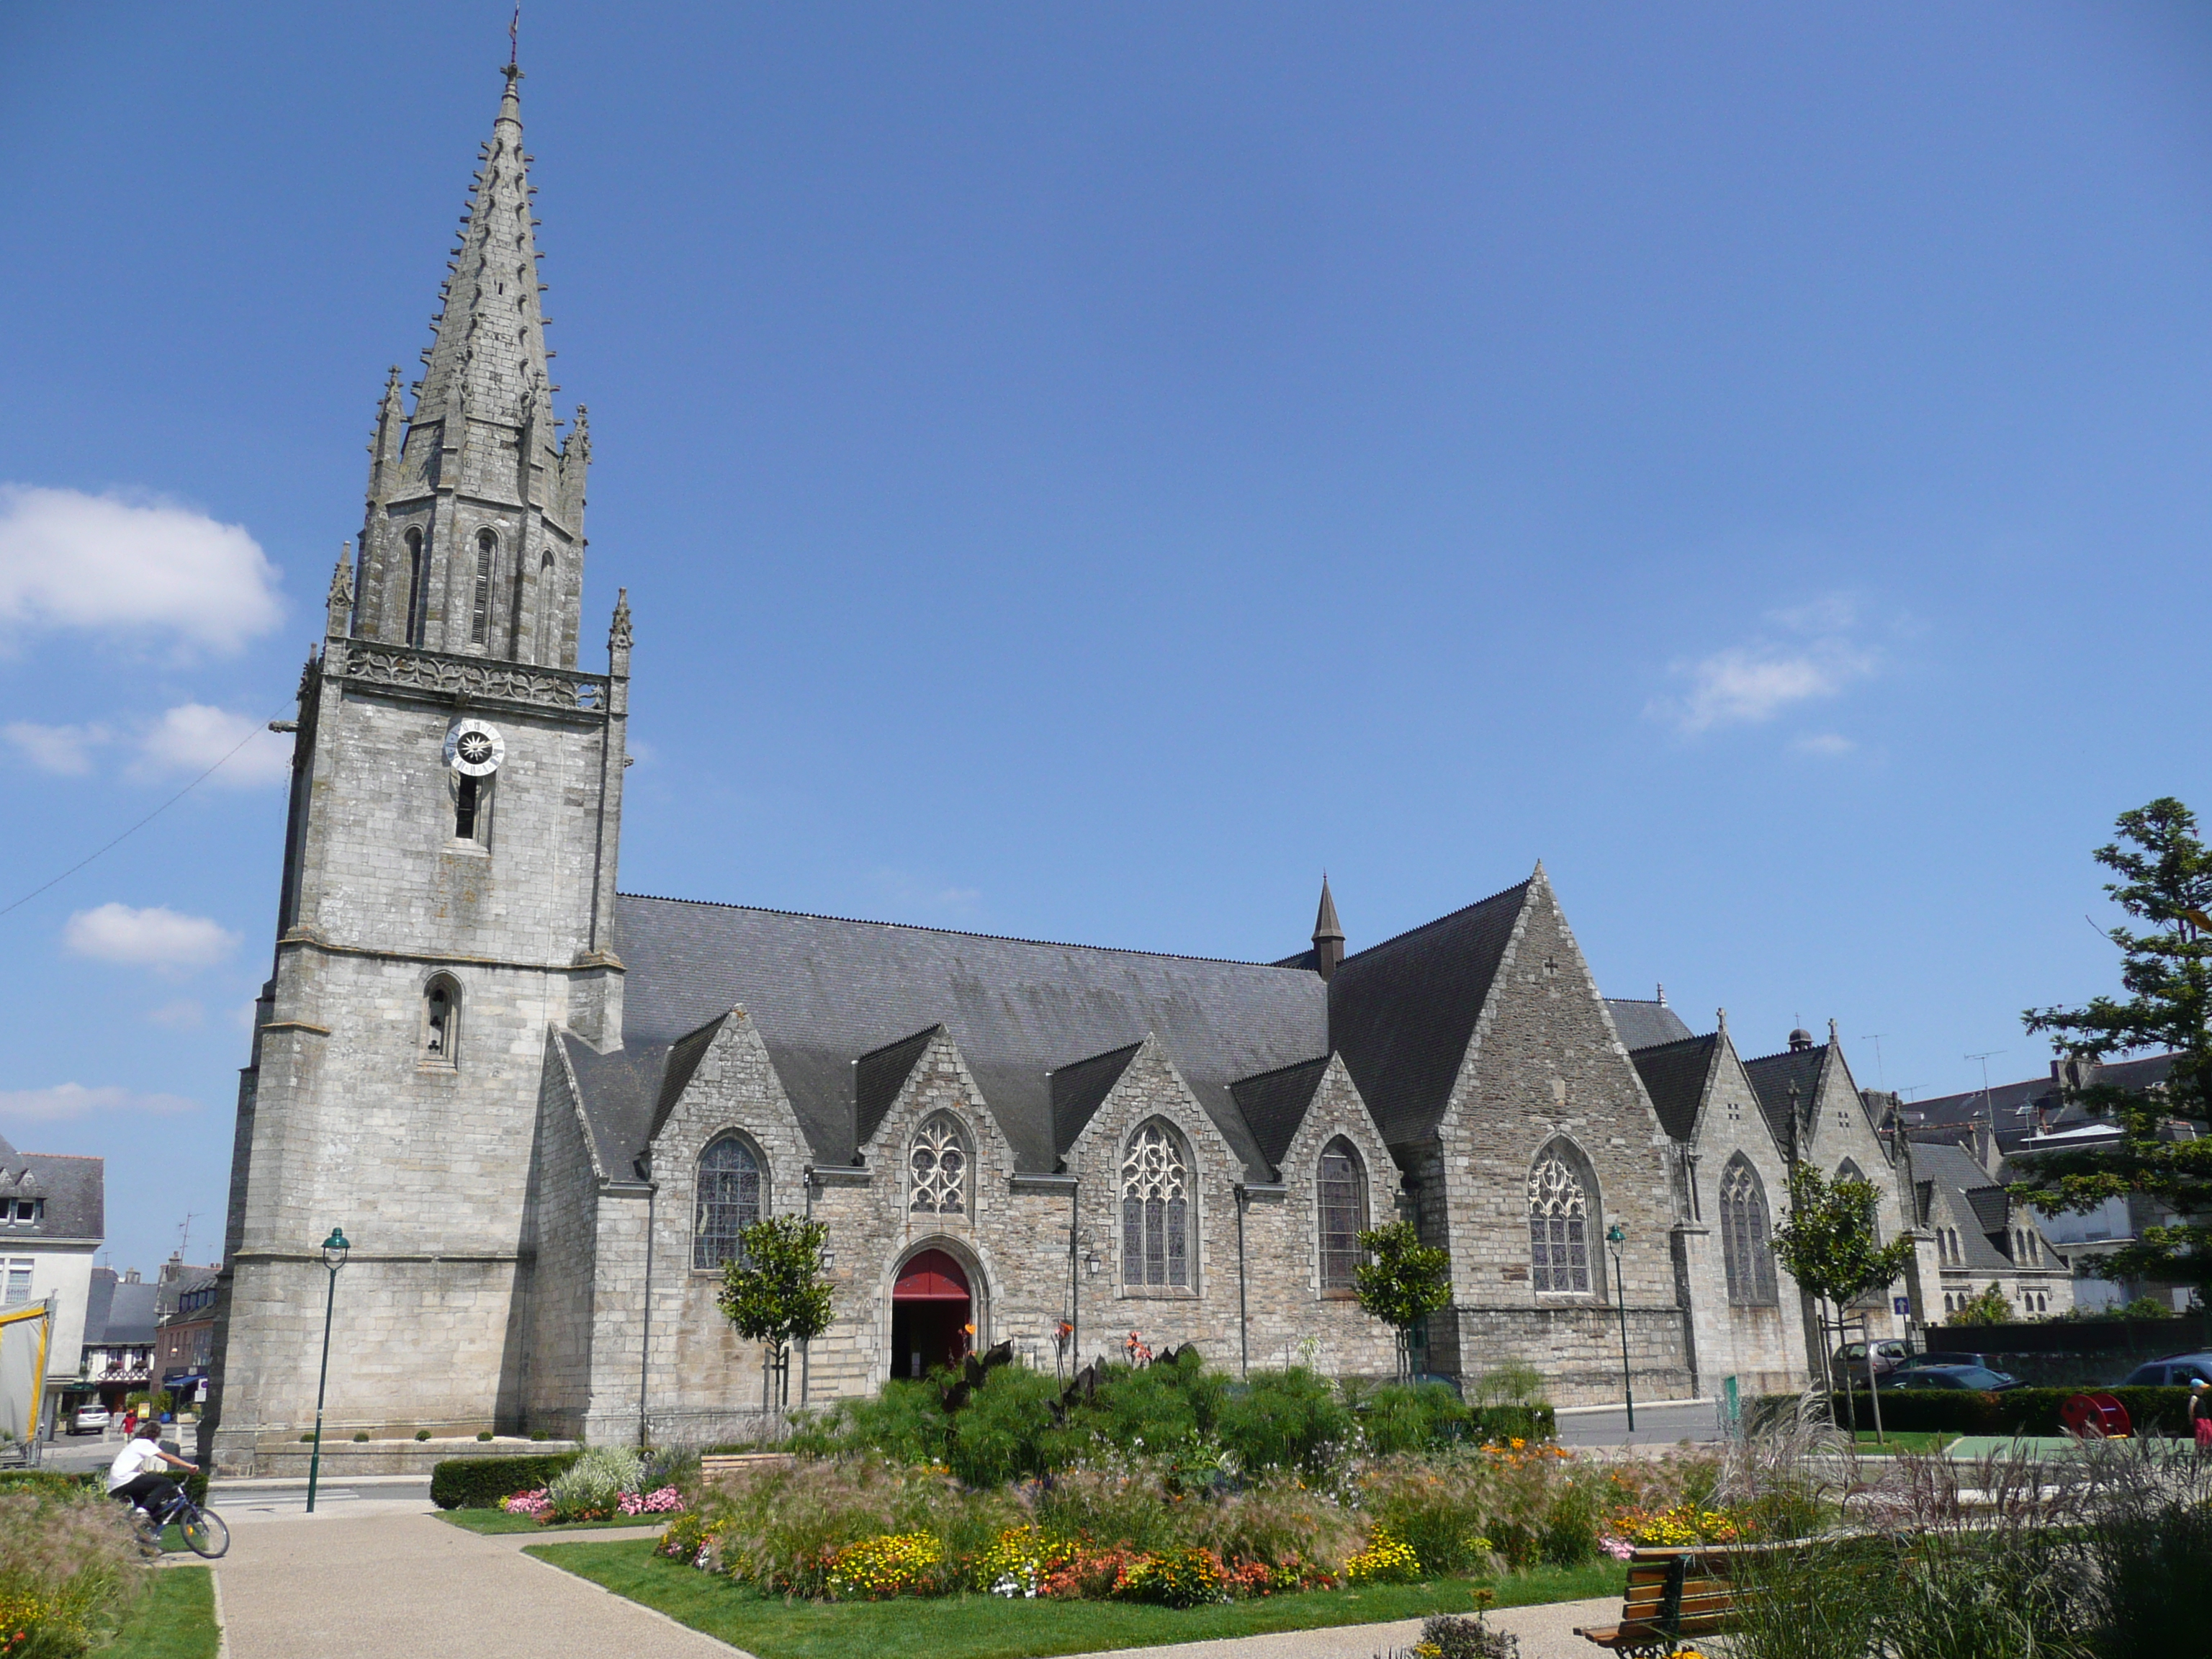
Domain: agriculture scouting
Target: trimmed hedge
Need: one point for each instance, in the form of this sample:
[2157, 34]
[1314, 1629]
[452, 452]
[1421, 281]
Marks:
[2016, 1411]
[1512, 1422]
[478, 1483]
[195, 1483]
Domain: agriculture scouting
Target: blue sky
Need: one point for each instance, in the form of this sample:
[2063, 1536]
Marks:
[1078, 472]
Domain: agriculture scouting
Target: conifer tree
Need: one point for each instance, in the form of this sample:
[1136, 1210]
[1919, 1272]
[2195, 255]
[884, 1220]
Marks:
[2165, 880]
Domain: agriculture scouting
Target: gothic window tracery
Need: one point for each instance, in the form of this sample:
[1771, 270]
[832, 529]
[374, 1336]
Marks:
[1744, 1236]
[1558, 1227]
[938, 1165]
[442, 1022]
[1156, 1190]
[729, 1201]
[1340, 1195]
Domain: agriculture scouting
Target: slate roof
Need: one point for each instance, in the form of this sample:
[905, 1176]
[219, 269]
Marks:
[118, 1312]
[1974, 1193]
[1645, 1024]
[2010, 1109]
[75, 1189]
[1674, 1076]
[1403, 1012]
[825, 991]
[1771, 1076]
[1274, 1104]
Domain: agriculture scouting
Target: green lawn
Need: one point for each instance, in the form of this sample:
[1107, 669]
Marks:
[991, 1627]
[173, 1620]
[501, 1521]
[1912, 1440]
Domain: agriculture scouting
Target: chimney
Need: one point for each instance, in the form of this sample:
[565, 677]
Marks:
[1327, 935]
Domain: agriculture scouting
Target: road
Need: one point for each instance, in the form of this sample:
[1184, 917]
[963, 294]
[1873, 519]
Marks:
[1655, 1425]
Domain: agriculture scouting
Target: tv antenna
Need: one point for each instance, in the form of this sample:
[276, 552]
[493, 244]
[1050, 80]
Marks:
[1875, 1037]
[1984, 1057]
[185, 1233]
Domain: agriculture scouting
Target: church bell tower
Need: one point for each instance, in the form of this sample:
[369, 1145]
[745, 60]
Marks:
[447, 894]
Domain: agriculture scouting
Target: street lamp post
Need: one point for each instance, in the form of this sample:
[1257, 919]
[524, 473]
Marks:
[1617, 1236]
[334, 1256]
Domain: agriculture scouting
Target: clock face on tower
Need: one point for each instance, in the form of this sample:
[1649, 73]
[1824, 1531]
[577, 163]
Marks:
[475, 749]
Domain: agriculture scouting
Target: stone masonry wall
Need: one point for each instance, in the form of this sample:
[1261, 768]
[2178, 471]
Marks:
[1544, 1064]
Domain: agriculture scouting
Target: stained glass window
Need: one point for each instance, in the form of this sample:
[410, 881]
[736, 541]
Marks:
[1341, 1200]
[729, 1201]
[1558, 1227]
[1156, 1209]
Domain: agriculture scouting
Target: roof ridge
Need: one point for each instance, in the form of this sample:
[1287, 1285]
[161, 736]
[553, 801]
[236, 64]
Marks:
[963, 932]
[886, 1048]
[1522, 885]
[1296, 1065]
[1092, 1060]
[1676, 1042]
[1784, 1054]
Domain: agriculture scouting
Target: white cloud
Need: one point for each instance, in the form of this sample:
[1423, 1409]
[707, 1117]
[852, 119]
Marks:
[1749, 684]
[67, 1100]
[70, 560]
[154, 937]
[64, 749]
[192, 737]
[182, 1015]
[1823, 743]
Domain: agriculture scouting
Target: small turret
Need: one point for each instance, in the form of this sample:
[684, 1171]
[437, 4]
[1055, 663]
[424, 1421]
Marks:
[339, 605]
[1327, 935]
[618, 636]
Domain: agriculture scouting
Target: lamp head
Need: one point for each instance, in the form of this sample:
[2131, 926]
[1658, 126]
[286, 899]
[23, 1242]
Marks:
[1616, 1235]
[334, 1249]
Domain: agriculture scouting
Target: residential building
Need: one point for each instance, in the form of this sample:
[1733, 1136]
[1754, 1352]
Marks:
[52, 1217]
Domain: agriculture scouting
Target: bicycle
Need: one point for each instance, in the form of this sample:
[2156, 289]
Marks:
[204, 1531]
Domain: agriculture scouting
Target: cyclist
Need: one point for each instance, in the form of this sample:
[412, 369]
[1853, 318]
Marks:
[131, 1477]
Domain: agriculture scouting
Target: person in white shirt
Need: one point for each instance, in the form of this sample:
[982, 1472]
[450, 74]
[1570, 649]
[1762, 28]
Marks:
[131, 1477]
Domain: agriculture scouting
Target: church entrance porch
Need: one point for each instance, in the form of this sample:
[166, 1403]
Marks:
[932, 1315]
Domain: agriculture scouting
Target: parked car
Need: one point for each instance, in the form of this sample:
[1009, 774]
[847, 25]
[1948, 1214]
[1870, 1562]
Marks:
[90, 1419]
[1988, 1361]
[2175, 1371]
[1979, 1377]
[1852, 1359]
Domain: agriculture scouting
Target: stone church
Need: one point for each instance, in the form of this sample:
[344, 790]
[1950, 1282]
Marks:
[542, 1109]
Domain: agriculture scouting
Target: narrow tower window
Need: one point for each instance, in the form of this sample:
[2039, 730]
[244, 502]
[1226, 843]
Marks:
[417, 587]
[464, 808]
[1156, 1210]
[1340, 1195]
[480, 612]
[549, 610]
[442, 1022]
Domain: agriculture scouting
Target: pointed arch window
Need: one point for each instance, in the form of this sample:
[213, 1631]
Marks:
[1560, 1213]
[1744, 1241]
[1340, 1208]
[730, 1193]
[1156, 1192]
[938, 1165]
[439, 1043]
[418, 586]
[480, 607]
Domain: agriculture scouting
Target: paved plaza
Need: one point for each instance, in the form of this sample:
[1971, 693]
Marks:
[374, 1573]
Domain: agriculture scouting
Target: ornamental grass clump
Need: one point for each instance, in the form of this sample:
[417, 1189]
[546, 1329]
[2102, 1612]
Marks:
[590, 1488]
[69, 1570]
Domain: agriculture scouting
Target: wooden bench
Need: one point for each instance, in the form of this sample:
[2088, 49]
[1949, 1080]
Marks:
[715, 1468]
[1674, 1596]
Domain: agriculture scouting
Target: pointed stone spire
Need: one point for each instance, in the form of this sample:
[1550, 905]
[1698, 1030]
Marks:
[340, 602]
[618, 640]
[383, 448]
[1327, 934]
[489, 353]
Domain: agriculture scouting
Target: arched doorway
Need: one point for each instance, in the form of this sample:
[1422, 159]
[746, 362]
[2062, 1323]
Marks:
[931, 1311]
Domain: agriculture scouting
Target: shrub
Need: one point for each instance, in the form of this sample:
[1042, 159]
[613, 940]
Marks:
[905, 1423]
[1508, 1423]
[1284, 1419]
[1148, 1407]
[478, 1483]
[483, 1434]
[1400, 1418]
[422, 1434]
[1001, 1434]
[361, 1435]
[1448, 1637]
[588, 1488]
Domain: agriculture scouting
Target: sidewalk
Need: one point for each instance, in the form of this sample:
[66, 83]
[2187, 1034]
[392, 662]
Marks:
[342, 1587]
